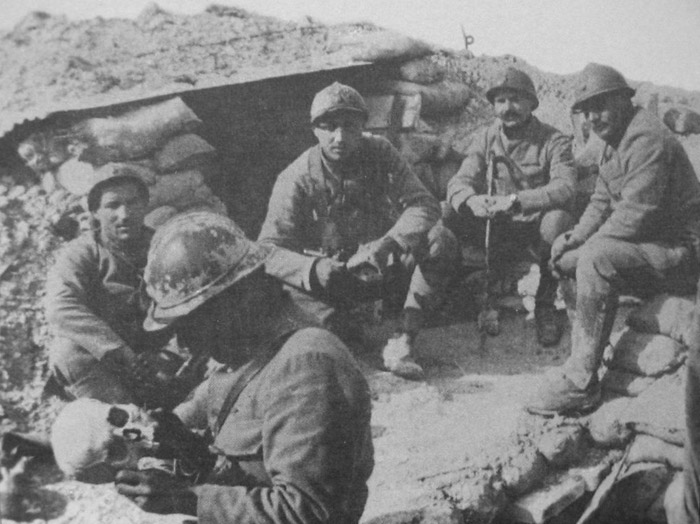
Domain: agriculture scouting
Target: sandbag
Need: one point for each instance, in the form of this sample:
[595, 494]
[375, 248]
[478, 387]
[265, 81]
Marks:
[418, 147]
[669, 315]
[138, 133]
[422, 71]
[436, 99]
[183, 152]
[76, 176]
[646, 448]
[523, 472]
[682, 120]
[116, 168]
[607, 426]
[174, 189]
[159, 216]
[384, 46]
[660, 410]
[562, 446]
[626, 383]
[646, 354]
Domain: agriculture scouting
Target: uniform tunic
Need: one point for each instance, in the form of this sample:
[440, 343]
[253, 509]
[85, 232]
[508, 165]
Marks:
[296, 447]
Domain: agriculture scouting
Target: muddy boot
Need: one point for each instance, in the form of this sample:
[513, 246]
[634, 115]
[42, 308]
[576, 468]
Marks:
[398, 354]
[549, 328]
[574, 388]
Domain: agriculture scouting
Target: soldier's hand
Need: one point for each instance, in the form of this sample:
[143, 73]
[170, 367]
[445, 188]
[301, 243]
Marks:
[479, 205]
[499, 205]
[327, 270]
[563, 243]
[375, 254]
[122, 358]
[156, 491]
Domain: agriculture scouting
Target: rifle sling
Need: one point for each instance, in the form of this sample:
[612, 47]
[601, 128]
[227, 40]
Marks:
[254, 367]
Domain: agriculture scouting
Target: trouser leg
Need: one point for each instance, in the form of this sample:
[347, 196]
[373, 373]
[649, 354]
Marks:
[82, 375]
[603, 268]
[553, 224]
[430, 276]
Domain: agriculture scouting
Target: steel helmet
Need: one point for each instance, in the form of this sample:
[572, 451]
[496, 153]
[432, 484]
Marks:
[517, 80]
[597, 79]
[193, 257]
[111, 178]
[337, 97]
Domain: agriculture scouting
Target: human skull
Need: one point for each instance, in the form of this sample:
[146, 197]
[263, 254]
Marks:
[92, 440]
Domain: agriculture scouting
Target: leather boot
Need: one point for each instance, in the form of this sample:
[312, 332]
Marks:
[549, 328]
[574, 389]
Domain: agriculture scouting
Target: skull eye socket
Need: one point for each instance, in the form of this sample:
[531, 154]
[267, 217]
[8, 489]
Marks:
[117, 451]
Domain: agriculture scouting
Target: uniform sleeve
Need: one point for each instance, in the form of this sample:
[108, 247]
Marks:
[595, 214]
[420, 209]
[309, 445]
[284, 227]
[470, 179]
[644, 189]
[560, 191]
[66, 302]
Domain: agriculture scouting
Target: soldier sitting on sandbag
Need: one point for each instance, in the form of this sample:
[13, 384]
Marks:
[352, 203]
[93, 303]
[639, 232]
[531, 201]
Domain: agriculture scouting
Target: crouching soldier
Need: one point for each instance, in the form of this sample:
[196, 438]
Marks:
[290, 412]
[92, 296]
[639, 233]
[534, 184]
[348, 203]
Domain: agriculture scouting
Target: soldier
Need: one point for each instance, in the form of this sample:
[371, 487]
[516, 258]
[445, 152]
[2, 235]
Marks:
[533, 192]
[92, 295]
[290, 412]
[639, 232]
[348, 203]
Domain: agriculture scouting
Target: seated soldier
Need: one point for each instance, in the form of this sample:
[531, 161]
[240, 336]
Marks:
[639, 232]
[290, 412]
[349, 203]
[532, 193]
[92, 296]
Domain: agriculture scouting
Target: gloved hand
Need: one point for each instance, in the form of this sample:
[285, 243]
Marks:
[333, 280]
[156, 491]
[500, 205]
[122, 359]
[479, 205]
[375, 254]
[563, 243]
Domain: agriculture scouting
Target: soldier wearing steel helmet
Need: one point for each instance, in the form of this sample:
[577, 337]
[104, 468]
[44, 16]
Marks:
[290, 411]
[534, 188]
[92, 295]
[352, 202]
[639, 233]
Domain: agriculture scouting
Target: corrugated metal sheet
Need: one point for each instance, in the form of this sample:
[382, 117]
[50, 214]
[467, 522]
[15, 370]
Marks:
[9, 120]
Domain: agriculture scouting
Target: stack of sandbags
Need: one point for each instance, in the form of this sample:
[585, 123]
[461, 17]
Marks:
[156, 142]
[645, 406]
[682, 120]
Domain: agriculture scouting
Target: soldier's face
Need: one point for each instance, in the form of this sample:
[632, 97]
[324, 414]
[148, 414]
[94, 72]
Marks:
[607, 115]
[121, 213]
[512, 107]
[339, 134]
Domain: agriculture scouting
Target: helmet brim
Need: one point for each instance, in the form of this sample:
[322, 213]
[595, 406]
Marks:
[491, 95]
[159, 318]
[577, 107]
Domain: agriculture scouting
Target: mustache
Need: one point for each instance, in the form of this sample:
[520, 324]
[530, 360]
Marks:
[510, 114]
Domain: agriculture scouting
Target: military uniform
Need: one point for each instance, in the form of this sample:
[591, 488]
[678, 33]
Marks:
[92, 306]
[640, 229]
[537, 166]
[297, 446]
[318, 205]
